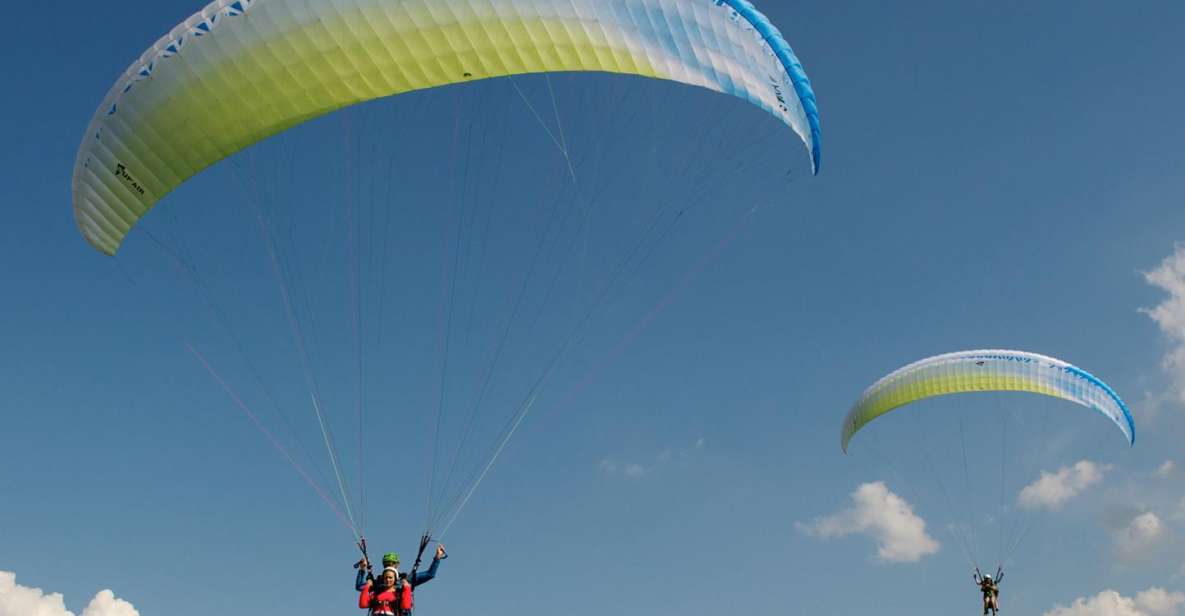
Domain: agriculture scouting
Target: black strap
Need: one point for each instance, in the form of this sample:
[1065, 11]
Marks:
[425, 539]
[365, 557]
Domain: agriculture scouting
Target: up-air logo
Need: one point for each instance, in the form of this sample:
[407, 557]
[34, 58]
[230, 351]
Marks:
[980, 359]
[122, 173]
[777, 84]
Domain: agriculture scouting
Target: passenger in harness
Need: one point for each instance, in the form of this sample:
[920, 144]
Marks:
[385, 597]
[390, 559]
[392, 593]
[990, 589]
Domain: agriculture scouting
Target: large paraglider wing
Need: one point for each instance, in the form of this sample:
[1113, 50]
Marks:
[240, 71]
[989, 370]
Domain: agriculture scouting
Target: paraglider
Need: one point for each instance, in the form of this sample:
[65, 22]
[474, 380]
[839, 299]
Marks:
[990, 588]
[986, 370]
[991, 370]
[218, 83]
[213, 85]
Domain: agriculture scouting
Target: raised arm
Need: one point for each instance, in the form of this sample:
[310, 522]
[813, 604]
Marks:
[423, 577]
[363, 567]
[362, 579]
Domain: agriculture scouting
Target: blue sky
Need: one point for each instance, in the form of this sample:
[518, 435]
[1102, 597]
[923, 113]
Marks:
[994, 175]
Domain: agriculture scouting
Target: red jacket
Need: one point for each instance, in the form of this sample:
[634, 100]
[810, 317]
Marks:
[386, 601]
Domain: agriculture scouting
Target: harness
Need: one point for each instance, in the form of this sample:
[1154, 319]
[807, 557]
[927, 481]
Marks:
[392, 601]
[398, 601]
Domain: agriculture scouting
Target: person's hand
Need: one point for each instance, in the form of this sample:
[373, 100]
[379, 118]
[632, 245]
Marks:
[439, 551]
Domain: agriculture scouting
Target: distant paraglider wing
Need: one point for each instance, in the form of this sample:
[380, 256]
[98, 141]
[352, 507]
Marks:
[987, 370]
[240, 71]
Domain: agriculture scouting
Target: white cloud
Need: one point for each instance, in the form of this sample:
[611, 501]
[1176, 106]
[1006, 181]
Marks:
[1166, 469]
[1139, 534]
[629, 470]
[17, 600]
[1160, 602]
[1170, 314]
[1151, 602]
[1052, 490]
[106, 603]
[635, 470]
[899, 533]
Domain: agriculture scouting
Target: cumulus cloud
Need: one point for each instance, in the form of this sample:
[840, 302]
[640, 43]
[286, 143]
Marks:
[1151, 602]
[1139, 534]
[1052, 490]
[1166, 469]
[106, 603]
[1170, 314]
[17, 600]
[1160, 602]
[879, 513]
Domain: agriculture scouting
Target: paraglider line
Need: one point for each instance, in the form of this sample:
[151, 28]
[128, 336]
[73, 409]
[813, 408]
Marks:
[276, 443]
[298, 335]
[501, 345]
[501, 445]
[559, 146]
[184, 266]
[353, 239]
[333, 459]
[617, 275]
[660, 306]
[445, 316]
[654, 312]
[560, 126]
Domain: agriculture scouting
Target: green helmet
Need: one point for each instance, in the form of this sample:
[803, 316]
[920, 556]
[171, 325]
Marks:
[391, 557]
